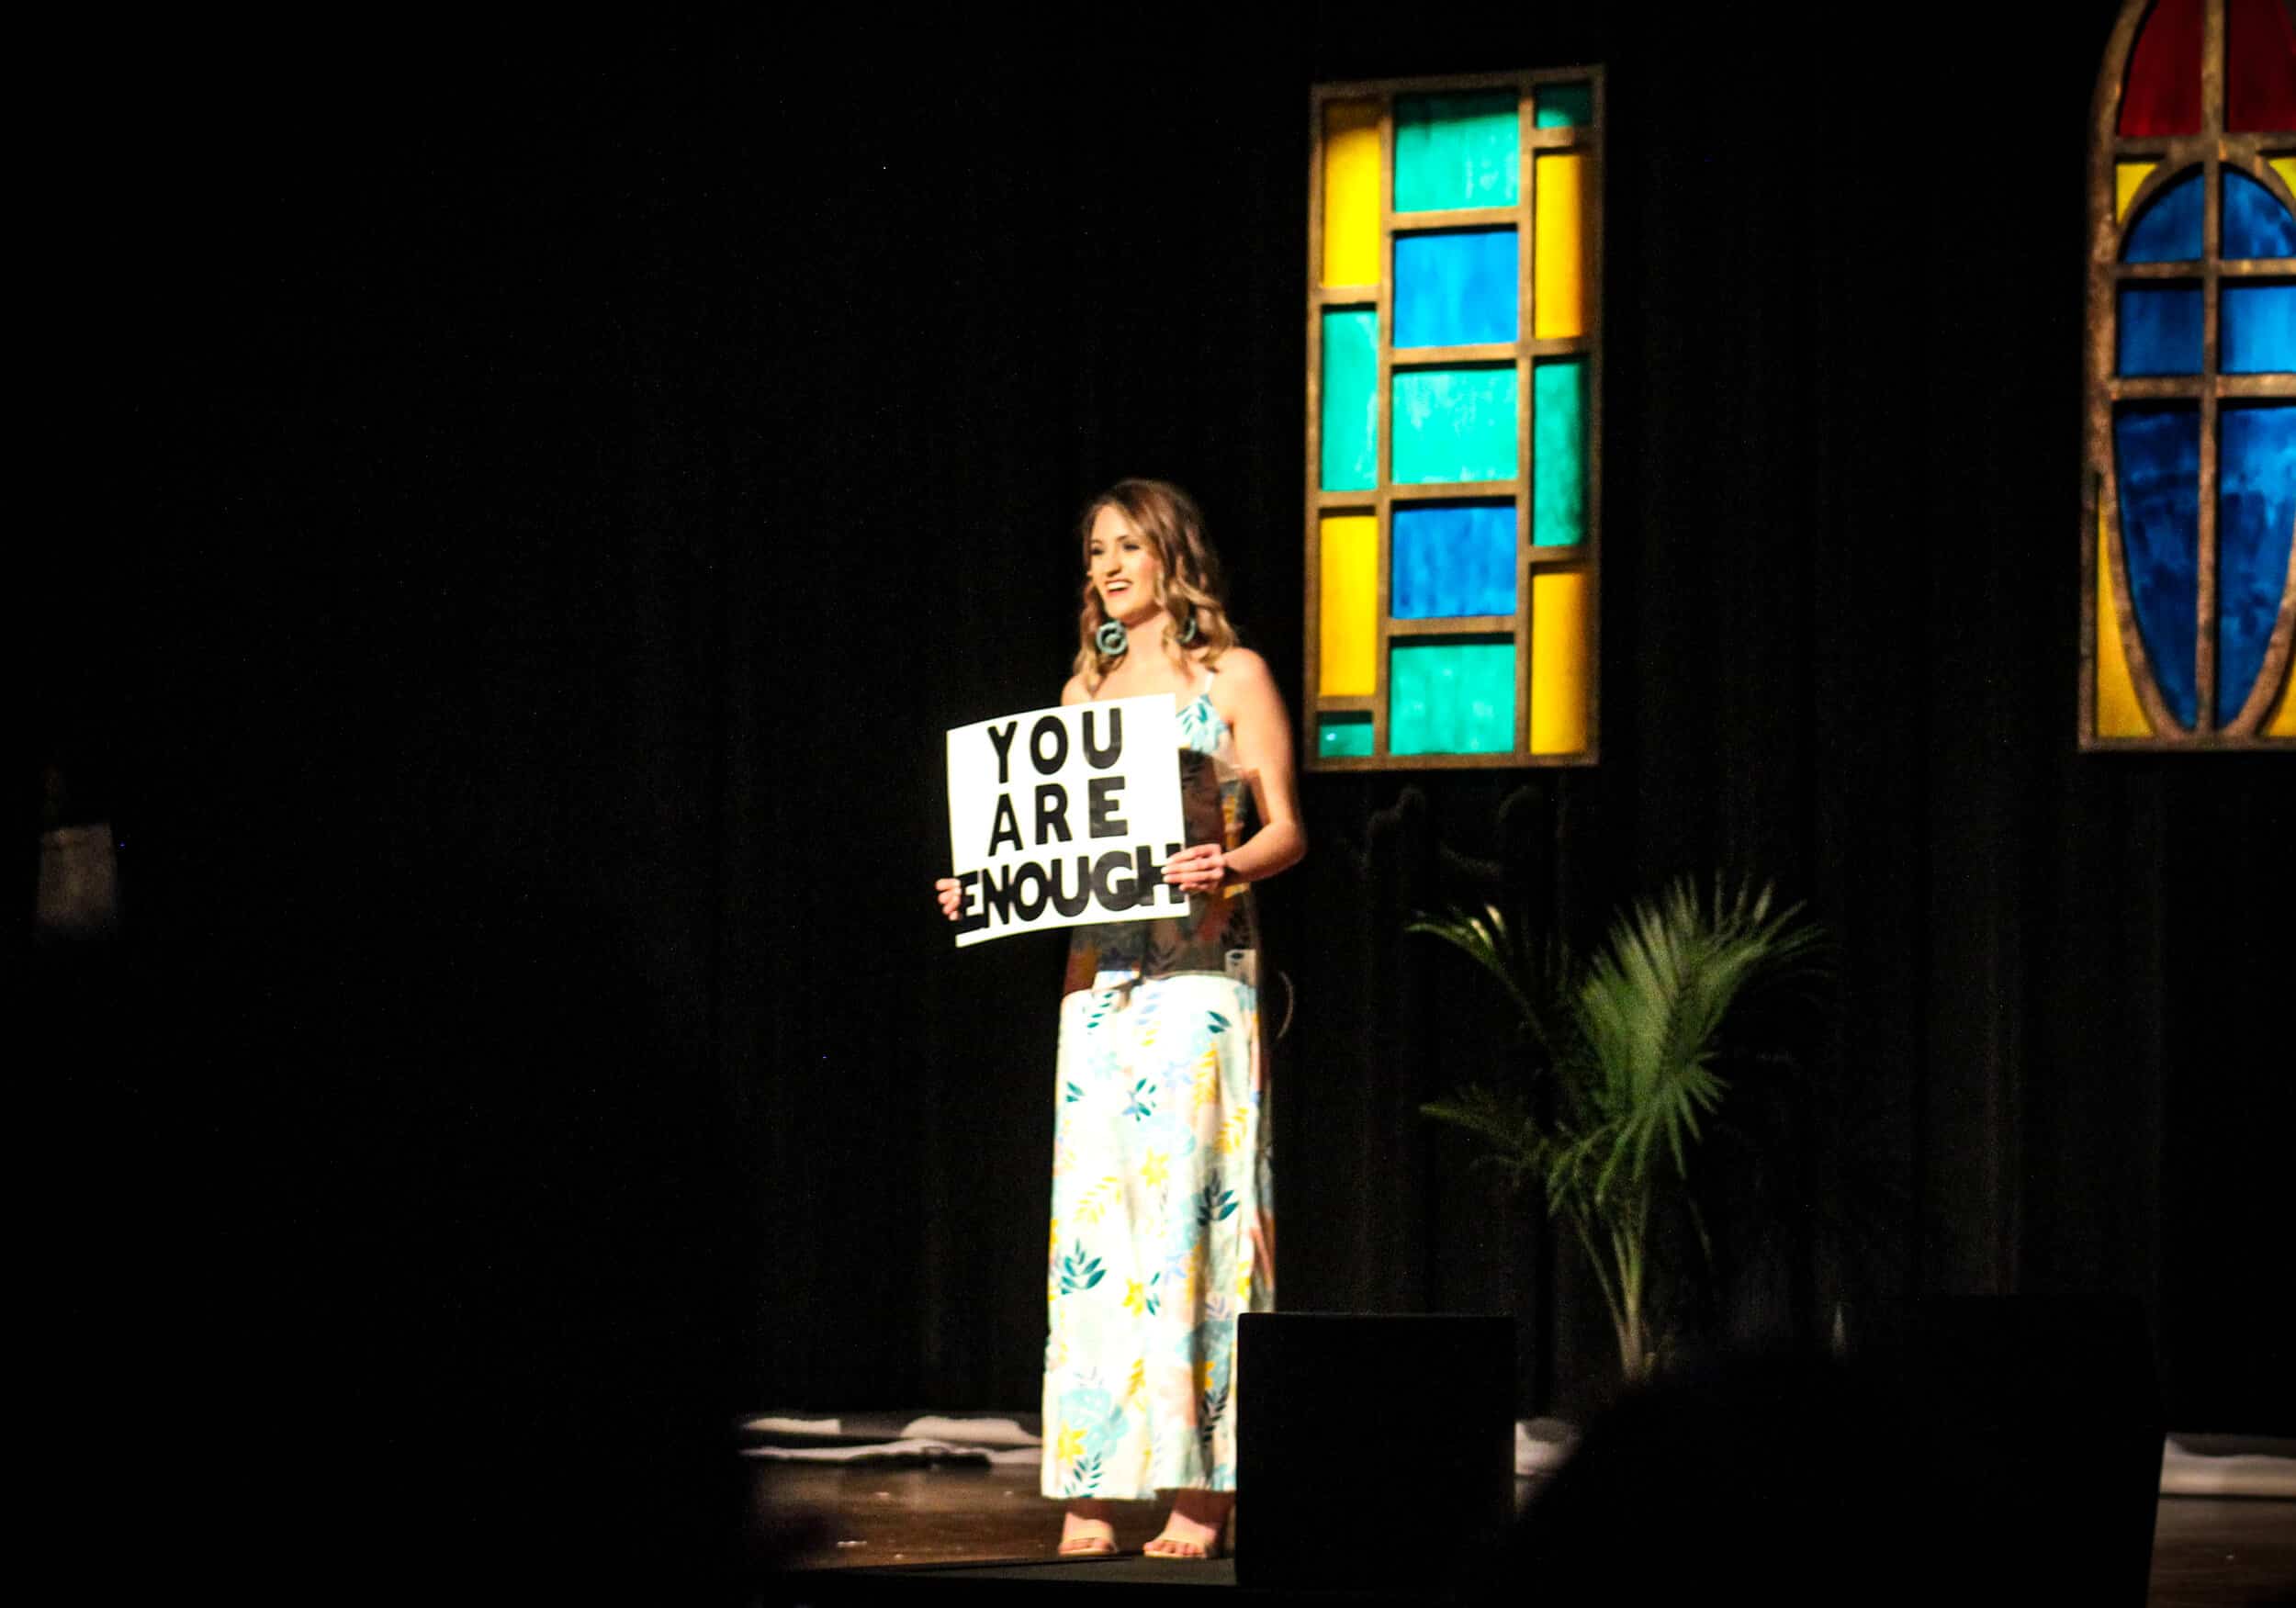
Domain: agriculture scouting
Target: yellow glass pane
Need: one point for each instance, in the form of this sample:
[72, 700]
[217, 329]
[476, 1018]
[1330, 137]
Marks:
[2286, 167]
[1558, 661]
[2119, 715]
[2282, 722]
[1349, 612]
[2126, 176]
[1351, 193]
[1559, 259]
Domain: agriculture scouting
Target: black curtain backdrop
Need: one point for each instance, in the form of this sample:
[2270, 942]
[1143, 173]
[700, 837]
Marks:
[545, 501]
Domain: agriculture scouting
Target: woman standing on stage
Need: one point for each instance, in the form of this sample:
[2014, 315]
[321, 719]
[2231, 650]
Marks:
[1163, 1217]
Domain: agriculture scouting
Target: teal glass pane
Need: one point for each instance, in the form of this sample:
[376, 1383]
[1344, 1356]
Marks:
[1458, 288]
[1457, 150]
[2255, 518]
[2160, 329]
[2256, 224]
[1565, 106]
[1351, 400]
[1451, 560]
[2168, 230]
[1343, 736]
[2258, 329]
[1559, 452]
[1454, 425]
[1450, 698]
[2156, 455]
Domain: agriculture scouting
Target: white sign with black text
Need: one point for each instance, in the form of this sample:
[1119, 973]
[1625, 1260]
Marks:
[1060, 817]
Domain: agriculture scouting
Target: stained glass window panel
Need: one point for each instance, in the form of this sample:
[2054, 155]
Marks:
[2118, 712]
[2157, 457]
[1558, 662]
[2160, 329]
[1565, 106]
[2163, 91]
[1348, 604]
[1559, 452]
[2259, 329]
[1351, 400]
[1343, 736]
[1558, 255]
[1351, 192]
[2256, 516]
[2260, 66]
[1457, 150]
[1457, 289]
[1454, 425]
[2169, 230]
[2256, 224]
[1451, 697]
[1452, 559]
[2126, 177]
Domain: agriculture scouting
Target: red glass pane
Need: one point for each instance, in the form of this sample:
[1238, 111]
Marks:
[2163, 92]
[2259, 67]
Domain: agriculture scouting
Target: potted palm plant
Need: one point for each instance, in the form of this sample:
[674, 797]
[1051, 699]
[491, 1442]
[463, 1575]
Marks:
[1626, 1042]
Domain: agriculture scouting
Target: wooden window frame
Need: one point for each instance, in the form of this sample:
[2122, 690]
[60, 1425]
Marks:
[1380, 501]
[2210, 152]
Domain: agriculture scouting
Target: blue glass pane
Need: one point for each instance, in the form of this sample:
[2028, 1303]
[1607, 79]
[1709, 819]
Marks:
[2160, 329]
[1451, 697]
[2157, 453]
[2256, 224]
[1456, 289]
[1565, 106]
[1343, 736]
[1458, 558]
[2168, 230]
[2259, 331]
[2256, 517]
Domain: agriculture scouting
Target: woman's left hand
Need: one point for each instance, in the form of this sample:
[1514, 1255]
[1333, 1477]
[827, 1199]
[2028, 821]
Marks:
[1200, 869]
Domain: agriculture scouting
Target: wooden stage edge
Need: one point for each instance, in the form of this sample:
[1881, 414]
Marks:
[2208, 1552]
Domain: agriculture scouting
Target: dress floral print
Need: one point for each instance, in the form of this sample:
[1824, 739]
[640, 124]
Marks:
[1163, 1216]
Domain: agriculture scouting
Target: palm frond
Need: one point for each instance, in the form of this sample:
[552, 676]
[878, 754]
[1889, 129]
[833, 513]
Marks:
[1654, 1001]
[1536, 978]
[1499, 1116]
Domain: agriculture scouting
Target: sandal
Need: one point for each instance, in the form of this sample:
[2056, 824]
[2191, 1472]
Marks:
[1173, 1548]
[1097, 1541]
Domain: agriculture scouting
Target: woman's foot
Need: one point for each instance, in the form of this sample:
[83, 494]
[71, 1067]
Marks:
[1086, 1531]
[1200, 1518]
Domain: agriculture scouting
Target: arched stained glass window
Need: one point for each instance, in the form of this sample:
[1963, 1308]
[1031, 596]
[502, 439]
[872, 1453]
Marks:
[1454, 421]
[2189, 525]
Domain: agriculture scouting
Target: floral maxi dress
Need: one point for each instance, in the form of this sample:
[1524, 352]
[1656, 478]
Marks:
[1163, 1214]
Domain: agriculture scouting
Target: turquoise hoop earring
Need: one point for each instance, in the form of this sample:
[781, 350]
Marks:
[1111, 639]
[1188, 633]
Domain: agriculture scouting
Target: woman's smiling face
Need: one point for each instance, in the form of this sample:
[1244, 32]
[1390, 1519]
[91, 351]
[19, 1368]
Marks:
[1123, 567]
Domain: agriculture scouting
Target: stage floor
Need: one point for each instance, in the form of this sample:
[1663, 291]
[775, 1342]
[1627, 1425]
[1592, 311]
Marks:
[2208, 1552]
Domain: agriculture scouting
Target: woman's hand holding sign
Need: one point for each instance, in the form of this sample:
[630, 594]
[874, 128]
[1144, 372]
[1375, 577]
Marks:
[1200, 869]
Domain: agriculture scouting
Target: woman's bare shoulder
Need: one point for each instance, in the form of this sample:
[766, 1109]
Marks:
[1244, 668]
[1075, 691]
